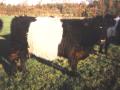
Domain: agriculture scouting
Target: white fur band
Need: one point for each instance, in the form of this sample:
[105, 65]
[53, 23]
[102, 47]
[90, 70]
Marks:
[44, 36]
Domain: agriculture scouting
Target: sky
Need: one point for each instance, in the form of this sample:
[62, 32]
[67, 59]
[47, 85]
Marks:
[34, 2]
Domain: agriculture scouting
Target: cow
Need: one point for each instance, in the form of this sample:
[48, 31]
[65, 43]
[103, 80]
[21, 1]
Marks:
[50, 37]
[18, 51]
[112, 32]
[3, 61]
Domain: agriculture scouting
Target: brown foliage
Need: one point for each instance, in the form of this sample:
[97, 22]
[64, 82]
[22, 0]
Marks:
[62, 10]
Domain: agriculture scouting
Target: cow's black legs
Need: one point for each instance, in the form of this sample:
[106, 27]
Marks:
[101, 49]
[72, 60]
[106, 47]
[23, 58]
[102, 46]
[73, 64]
[18, 57]
[75, 55]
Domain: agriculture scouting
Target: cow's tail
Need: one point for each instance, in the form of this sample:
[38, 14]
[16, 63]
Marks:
[7, 66]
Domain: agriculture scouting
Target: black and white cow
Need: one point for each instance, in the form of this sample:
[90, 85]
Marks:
[18, 40]
[49, 37]
[3, 61]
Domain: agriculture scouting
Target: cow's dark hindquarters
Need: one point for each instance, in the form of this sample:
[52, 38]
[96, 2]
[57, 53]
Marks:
[73, 54]
[18, 52]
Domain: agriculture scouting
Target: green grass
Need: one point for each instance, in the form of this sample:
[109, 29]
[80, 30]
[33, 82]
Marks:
[6, 24]
[95, 72]
[4, 34]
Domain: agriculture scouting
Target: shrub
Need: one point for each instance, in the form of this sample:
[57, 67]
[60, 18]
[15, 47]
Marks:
[96, 73]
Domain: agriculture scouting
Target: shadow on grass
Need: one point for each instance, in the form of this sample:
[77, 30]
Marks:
[57, 67]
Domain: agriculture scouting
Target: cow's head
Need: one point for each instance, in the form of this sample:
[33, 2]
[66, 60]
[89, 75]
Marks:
[97, 23]
[108, 20]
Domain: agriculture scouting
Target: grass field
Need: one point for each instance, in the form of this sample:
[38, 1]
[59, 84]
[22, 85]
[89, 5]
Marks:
[94, 73]
[4, 34]
[6, 21]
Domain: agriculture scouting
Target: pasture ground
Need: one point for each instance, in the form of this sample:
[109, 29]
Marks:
[94, 73]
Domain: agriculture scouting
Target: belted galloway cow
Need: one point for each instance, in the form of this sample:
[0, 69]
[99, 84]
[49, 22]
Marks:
[52, 37]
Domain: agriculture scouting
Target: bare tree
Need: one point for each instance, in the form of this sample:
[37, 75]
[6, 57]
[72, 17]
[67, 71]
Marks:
[102, 6]
[110, 4]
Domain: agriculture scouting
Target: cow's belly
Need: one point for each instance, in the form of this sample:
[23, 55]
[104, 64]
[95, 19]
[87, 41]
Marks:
[43, 38]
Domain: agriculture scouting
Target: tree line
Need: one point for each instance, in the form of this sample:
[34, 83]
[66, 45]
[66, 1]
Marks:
[64, 10]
